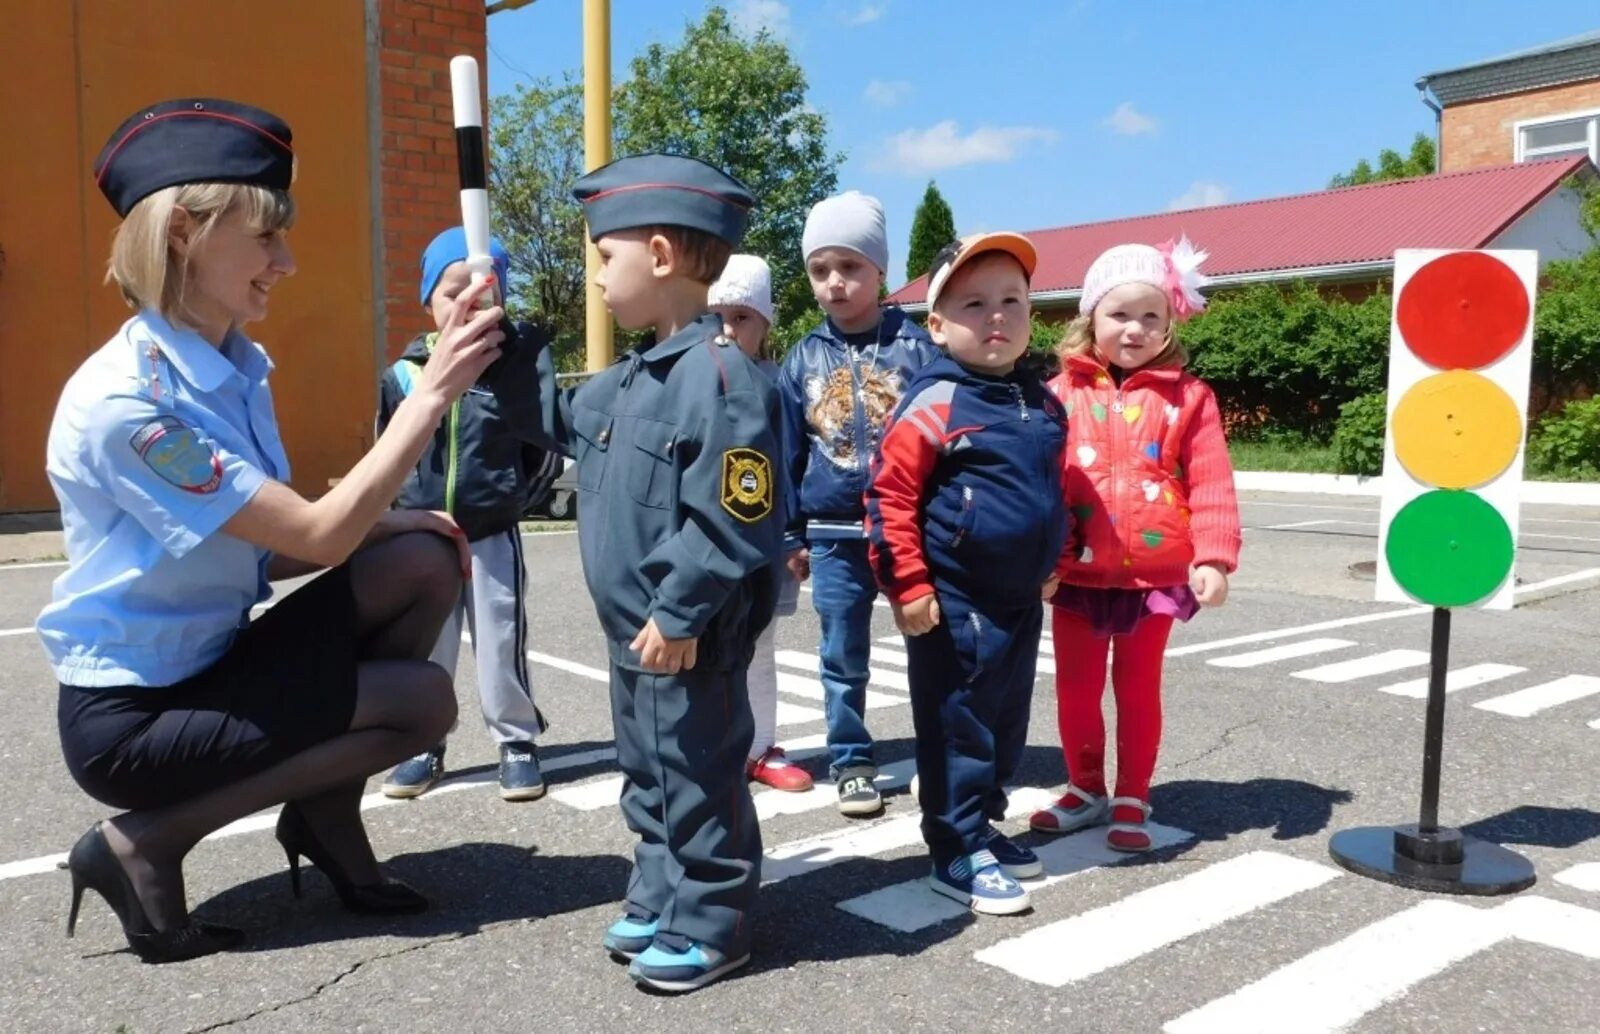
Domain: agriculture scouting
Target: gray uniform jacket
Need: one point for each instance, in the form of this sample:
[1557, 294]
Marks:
[677, 500]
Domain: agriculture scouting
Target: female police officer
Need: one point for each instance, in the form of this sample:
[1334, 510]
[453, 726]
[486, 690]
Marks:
[165, 456]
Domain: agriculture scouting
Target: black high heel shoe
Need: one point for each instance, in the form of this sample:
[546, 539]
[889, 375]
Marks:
[92, 865]
[388, 897]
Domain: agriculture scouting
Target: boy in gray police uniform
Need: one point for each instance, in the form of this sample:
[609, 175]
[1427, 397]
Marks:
[679, 537]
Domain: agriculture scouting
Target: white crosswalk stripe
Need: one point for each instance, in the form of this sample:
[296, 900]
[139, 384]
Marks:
[912, 905]
[1365, 667]
[1531, 701]
[1286, 652]
[1142, 922]
[1584, 877]
[1455, 680]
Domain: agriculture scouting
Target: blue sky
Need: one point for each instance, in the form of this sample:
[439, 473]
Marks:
[1039, 113]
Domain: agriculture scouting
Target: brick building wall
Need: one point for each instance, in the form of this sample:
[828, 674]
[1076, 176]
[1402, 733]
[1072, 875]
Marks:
[418, 187]
[1479, 133]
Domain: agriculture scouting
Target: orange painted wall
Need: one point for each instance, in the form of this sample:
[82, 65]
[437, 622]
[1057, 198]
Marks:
[92, 63]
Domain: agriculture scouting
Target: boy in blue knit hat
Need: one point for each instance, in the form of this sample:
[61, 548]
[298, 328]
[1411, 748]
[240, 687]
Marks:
[482, 470]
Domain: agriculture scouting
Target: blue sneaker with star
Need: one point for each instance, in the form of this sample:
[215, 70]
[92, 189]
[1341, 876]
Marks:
[977, 881]
[630, 934]
[676, 963]
[1019, 862]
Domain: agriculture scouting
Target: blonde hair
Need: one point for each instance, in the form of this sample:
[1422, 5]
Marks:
[1079, 340]
[149, 271]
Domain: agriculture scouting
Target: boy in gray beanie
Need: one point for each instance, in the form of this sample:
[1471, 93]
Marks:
[838, 385]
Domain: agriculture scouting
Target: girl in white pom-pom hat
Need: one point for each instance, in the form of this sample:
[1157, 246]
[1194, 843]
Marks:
[742, 296]
[1151, 491]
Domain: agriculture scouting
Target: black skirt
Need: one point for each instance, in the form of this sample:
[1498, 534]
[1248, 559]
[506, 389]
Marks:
[287, 683]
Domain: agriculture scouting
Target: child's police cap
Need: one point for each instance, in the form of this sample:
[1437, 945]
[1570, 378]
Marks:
[193, 140]
[664, 190]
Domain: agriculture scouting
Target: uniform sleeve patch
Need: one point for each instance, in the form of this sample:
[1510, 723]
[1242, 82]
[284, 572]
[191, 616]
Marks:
[178, 455]
[746, 484]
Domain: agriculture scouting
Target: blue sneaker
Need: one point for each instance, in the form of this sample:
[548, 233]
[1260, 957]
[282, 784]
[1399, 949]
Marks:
[1019, 862]
[414, 776]
[675, 963]
[520, 778]
[630, 934]
[978, 882]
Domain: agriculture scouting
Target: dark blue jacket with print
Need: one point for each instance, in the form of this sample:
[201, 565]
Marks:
[836, 399]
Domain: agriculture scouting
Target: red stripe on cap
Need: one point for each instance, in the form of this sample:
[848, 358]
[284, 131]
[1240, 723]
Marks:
[665, 186]
[101, 175]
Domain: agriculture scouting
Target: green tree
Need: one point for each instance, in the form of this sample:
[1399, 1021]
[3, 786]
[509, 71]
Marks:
[739, 104]
[932, 228]
[536, 153]
[1392, 165]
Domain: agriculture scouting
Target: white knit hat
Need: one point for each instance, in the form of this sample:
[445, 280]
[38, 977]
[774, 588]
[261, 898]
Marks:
[1173, 268]
[746, 280]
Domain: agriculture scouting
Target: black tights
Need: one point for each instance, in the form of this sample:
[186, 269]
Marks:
[404, 589]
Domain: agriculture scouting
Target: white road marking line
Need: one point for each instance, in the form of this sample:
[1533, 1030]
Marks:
[808, 687]
[1288, 651]
[570, 667]
[605, 791]
[1292, 526]
[1057, 954]
[797, 714]
[912, 905]
[811, 663]
[1330, 989]
[1530, 701]
[1456, 680]
[1562, 579]
[1365, 667]
[1285, 633]
[33, 566]
[1584, 877]
[15, 631]
[819, 852]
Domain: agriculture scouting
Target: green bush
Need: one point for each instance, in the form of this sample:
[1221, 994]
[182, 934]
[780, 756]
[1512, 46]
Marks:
[1566, 328]
[1358, 436]
[1289, 357]
[1565, 446]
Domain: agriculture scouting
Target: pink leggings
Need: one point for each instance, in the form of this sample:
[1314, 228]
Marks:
[1136, 661]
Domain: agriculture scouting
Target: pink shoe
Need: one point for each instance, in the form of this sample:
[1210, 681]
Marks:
[1076, 809]
[777, 771]
[1128, 815]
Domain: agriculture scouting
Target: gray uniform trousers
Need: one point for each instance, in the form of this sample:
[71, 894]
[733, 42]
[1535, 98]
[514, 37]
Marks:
[493, 607]
[681, 744]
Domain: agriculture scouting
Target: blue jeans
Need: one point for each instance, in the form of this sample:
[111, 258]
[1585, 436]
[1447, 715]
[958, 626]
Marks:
[842, 590]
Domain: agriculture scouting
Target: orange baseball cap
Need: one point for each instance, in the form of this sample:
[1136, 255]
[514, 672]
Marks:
[960, 252]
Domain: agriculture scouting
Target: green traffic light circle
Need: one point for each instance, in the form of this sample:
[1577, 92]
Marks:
[1449, 549]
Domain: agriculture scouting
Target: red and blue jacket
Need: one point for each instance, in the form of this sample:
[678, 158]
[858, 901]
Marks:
[966, 489]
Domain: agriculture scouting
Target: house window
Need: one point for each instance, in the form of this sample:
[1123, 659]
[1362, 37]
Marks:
[1562, 136]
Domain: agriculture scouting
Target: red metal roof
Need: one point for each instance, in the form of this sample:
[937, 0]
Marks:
[1351, 225]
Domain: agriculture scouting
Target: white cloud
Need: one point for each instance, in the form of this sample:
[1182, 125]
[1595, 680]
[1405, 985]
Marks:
[751, 17]
[866, 14]
[1201, 194]
[1130, 121]
[887, 93]
[917, 152]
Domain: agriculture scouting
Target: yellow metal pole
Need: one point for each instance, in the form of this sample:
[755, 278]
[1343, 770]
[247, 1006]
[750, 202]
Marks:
[596, 152]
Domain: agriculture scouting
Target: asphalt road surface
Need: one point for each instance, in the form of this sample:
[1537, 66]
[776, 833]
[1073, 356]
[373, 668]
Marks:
[1292, 713]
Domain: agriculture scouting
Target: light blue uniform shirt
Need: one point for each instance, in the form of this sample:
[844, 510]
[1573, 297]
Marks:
[158, 440]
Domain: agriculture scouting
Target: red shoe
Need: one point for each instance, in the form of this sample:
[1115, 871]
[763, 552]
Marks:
[1127, 833]
[777, 771]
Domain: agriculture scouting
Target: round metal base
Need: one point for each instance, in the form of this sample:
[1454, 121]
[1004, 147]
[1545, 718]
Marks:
[1484, 869]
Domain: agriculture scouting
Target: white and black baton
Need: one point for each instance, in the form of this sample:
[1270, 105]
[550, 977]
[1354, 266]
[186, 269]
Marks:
[473, 171]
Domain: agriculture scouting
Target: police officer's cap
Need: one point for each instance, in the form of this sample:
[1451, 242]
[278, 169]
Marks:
[193, 140]
[664, 190]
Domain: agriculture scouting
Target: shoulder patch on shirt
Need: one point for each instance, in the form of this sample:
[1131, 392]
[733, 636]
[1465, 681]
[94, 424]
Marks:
[746, 484]
[176, 453]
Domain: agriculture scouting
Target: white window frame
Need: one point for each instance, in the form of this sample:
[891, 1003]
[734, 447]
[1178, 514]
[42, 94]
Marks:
[1522, 154]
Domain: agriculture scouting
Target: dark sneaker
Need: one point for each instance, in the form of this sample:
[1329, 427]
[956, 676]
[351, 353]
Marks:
[1018, 862]
[977, 881]
[520, 778]
[630, 934]
[413, 777]
[675, 963]
[857, 793]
